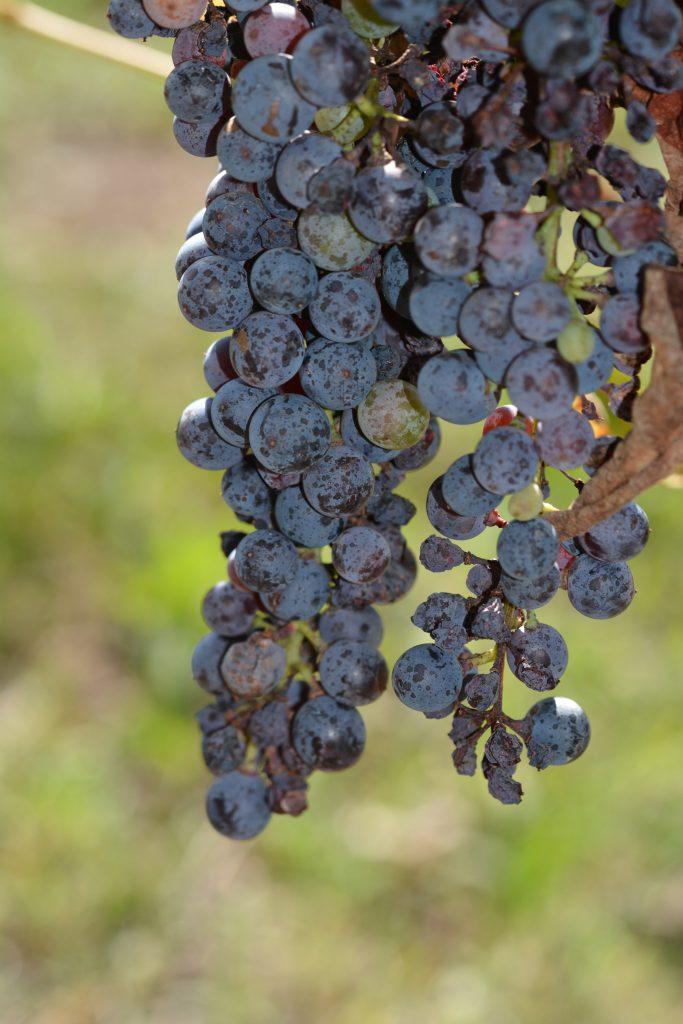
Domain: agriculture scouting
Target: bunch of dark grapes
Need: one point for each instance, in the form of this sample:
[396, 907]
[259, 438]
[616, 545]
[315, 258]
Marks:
[393, 172]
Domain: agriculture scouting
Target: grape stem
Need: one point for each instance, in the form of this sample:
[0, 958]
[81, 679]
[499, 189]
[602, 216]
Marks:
[95, 41]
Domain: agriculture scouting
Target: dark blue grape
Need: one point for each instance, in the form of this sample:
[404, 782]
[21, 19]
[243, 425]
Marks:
[621, 536]
[452, 387]
[541, 311]
[228, 611]
[339, 483]
[223, 750]
[129, 19]
[225, 185]
[303, 524]
[566, 441]
[438, 139]
[330, 66]
[594, 371]
[540, 383]
[474, 34]
[330, 188]
[269, 724]
[640, 122]
[277, 234]
[439, 181]
[231, 224]
[266, 560]
[426, 678]
[507, 12]
[448, 522]
[486, 187]
[247, 495]
[512, 255]
[505, 461]
[195, 224]
[489, 621]
[438, 554]
[283, 280]
[244, 157]
[538, 656]
[447, 239]
[386, 202]
[198, 441]
[213, 294]
[302, 597]
[237, 805]
[360, 554]
[600, 590]
[192, 249]
[479, 579]
[206, 663]
[337, 376]
[363, 624]
[346, 307]
[232, 408]
[494, 364]
[299, 161]
[288, 433]
[629, 270]
[463, 493]
[197, 91]
[353, 672]
[275, 204]
[442, 615]
[485, 322]
[434, 304]
[266, 103]
[396, 278]
[562, 38]
[559, 732]
[528, 593]
[327, 736]
[620, 325]
[650, 28]
[267, 349]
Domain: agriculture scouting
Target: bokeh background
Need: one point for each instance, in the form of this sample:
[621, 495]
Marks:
[405, 893]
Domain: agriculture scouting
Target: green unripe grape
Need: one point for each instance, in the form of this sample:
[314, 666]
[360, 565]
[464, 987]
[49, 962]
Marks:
[392, 415]
[526, 504]
[364, 21]
[331, 240]
[328, 118]
[576, 342]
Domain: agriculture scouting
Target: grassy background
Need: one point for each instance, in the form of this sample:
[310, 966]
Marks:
[405, 893]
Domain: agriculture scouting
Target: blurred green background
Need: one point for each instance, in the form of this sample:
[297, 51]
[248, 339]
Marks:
[405, 893]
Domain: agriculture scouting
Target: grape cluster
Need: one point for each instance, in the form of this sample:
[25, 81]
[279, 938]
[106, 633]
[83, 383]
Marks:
[393, 172]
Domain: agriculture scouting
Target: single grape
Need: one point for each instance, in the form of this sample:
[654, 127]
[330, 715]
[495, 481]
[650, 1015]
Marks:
[386, 202]
[299, 161]
[331, 240]
[538, 656]
[434, 303]
[540, 383]
[303, 524]
[228, 611]
[266, 560]
[237, 805]
[576, 341]
[600, 590]
[128, 18]
[223, 750]
[254, 667]
[197, 91]
[175, 14]
[199, 442]
[213, 294]
[232, 408]
[485, 322]
[450, 523]
[231, 224]
[353, 673]
[562, 38]
[362, 624]
[244, 157]
[330, 66]
[283, 280]
[192, 249]
[301, 598]
[346, 307]
[427, 678]
[463, 493]
[360, 554]
[505, 461]
[442, 615]
[247, 494]
[265, 101]
[541, 311]
[327, 736]
[566, 441]
[337, 376]
[273, 28]
[621, 536]
[206, 660]
[530, 594]
[267, 349]
[339, 483]
[559, 732]
[288, 433]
